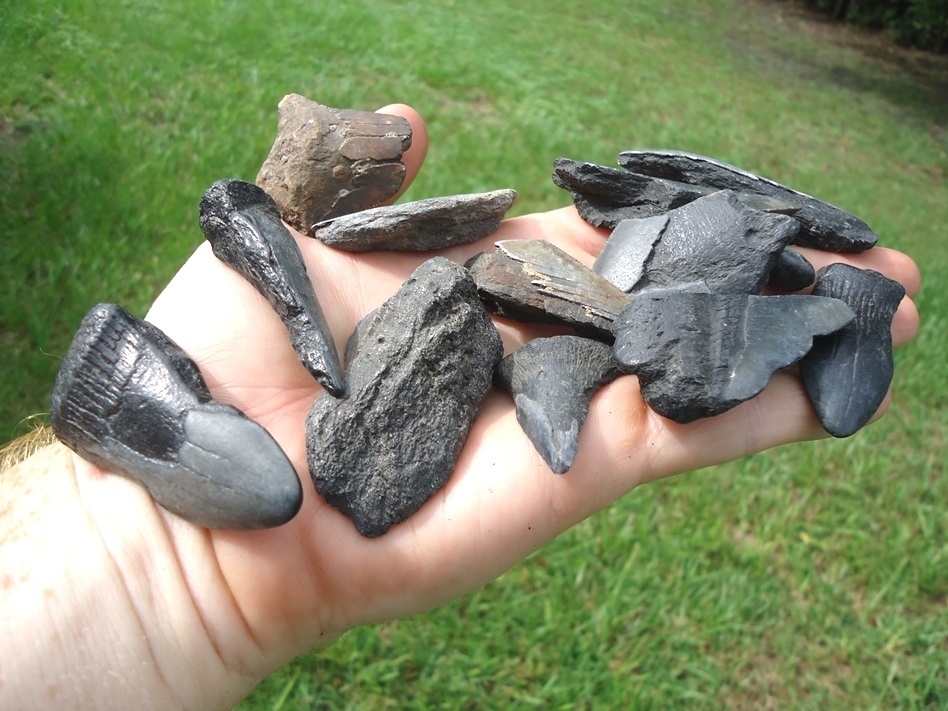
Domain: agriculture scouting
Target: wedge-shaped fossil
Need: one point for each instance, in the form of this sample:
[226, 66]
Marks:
[245, 231]
[698, 355]
[534, 281]
[824, 226]
[715, 240]
[327, 162]
[552, 381]
[434, 223]
[848, 373]
[130, 400]
[417, 379]
[605, 196]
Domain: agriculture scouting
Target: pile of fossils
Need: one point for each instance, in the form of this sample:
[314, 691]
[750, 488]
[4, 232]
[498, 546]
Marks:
[676, 297]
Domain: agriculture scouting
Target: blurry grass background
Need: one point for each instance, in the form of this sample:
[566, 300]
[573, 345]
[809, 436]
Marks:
[814, 576]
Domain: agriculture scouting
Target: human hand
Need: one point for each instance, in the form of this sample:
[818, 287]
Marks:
[253, 600]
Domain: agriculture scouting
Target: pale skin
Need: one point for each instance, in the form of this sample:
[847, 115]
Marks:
[108, 601]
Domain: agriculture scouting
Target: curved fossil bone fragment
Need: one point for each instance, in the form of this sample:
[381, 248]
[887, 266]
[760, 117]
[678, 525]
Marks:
[698, 355]
[532, 280]
[245, 231]
[327, 162]
[128, 399]
[824, 226]
[433, 223]
[848, 373]
[552, 380]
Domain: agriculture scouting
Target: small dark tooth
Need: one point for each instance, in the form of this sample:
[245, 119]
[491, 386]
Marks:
[130, 400]
[245, 231]
[552, 381]
[716, 240]
[792, 271]
[824, 226]
[698, 355]
[533, 281]
[328, 162]
[847, 374]
[418, 376]
[417, 226]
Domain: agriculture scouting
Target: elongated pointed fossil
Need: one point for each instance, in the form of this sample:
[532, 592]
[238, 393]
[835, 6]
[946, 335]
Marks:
[327, 162]
[824, 226]
[243, 225]
[418, 376]
[698, 355]
[605, 196]
[552, 381]
[434, 223]
[128, 399]
[847, 374]
[715, 240]
[534, 281]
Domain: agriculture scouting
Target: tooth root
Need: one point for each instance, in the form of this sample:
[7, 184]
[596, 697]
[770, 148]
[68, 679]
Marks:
[130, 400]
[243, 225]
[847, 374]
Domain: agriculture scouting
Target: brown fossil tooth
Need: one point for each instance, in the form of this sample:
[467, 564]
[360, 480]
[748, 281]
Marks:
[130, 400]
[847, 374]
[552, 381]
[434, 223]
[417, 379]
[534, 281]
[824, 226]
[327, 162]
[243, 226]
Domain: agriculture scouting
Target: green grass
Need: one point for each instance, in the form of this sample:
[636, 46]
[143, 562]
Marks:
[813, 576]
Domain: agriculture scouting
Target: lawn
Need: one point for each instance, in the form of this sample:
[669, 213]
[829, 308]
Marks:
[813, 576]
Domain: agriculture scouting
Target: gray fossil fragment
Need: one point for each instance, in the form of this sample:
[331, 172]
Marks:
[698, 355]
[433, 223]
[792, 271]
[417, 380]
[243, 226]
[552, 381]
[605, 196]
[534, 281]
[715, 239]
[848, 373]
[128, 399]
[824, 226]
[327, 162]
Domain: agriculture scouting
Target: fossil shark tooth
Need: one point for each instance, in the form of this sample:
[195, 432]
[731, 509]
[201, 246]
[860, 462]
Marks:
[698, 355]
[848, 373]
[534, 281]
[792, 271]
[243, 225]
[418, 377]
[433, 223]
[552, 381]
[328, 162]
[824, 226]
[715, 239]
[128, 399]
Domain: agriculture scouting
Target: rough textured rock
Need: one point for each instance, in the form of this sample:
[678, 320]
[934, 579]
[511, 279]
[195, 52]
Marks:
[328, 162]
[698, 355]
[605, 196]
[243, 226]
[534, 281]
[552, 381]
[792, 272]
[847, 374]
[434, 223]
[824, 226]
[417, 381]
[715, 240]
[128, 399]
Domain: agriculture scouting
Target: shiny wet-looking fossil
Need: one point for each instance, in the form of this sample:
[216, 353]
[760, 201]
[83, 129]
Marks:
[675, 298]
